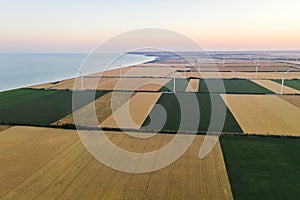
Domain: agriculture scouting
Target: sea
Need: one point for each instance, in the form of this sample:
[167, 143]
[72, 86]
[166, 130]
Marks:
[23, 70]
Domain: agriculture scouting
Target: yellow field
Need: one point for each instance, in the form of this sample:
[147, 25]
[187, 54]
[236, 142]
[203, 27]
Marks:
[264, 114]
[140, 105]
[24, 150]
[4, 127]
[55, 165]
[295, 100]
[275, 87]
[138, 84]
[242, 75]
[150, 70]
[112, 72]
[193, 85]
[42, 86]
[102, 106]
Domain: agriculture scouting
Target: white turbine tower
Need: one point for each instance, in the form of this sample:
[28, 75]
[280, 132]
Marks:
[282, 80]
[268, 62]
[198, 65]
[81, 77]
[174, 81]
[120, 68]
[223, 62]
[256, 68]
[183, 68]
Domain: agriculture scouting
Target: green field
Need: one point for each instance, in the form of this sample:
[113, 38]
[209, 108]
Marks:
[170, 103]
[39, 107]
[17, 96]
[291, 83]
[232, 86]
[262, 167]
[180, 83]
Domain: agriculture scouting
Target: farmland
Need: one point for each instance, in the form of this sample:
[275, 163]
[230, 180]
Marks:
[295, 100]
[262, 167]
[47, 108]
[275, 87]
[133, 113]
[56, 165]
[39, 162]
[232, 86]
[18, 96]
[113, 83]
[181, 85]
[291, 83]
[103, 109]
[172, 107]
[193, 85]
[264, 114]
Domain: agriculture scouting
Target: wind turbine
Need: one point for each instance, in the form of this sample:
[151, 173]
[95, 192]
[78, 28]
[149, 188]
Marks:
[223, 62]
[81, 77]
[268, 62]
[282, 80]
[256, 67]
[183, 68]
[174, 81]
[120, 68]
[197, 65]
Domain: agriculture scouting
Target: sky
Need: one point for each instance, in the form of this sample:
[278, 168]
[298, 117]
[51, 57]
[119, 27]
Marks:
[79, 26]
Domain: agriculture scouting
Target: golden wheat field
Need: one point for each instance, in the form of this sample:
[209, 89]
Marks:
[264, 114]
[295, 100]
[103, 107]
[193, 85]
[138, 107]
[105, 83]
[56, 165]
[276, 87]
[4, 127]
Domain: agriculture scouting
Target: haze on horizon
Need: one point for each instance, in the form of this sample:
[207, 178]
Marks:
[70, 26]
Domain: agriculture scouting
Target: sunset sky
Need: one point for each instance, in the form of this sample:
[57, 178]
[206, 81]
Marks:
[78, 26]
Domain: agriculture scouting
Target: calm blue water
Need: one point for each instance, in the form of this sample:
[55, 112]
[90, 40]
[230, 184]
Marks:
[22, 70]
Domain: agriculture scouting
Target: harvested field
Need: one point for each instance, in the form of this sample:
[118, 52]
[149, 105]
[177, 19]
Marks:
[295, 100]
[43, 86]
[233, 86]
[276, 75]
[262, 167]
[103, 108]
[149, 72]
[70, 172]
[141, 84]
[193, 85]
[127, 84]
[172, 107]
[291, 83]
[181, 85]
[140, 105]
[208, 75]
[4, 127]
[45, 109]
[262, 114]
[112, 72]
[25, 150]
[241, 75]
[275, 87]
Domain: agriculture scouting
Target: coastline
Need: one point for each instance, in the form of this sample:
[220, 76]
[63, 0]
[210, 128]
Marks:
[47, 68]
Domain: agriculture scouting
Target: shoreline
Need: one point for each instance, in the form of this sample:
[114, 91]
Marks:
[148, 59]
